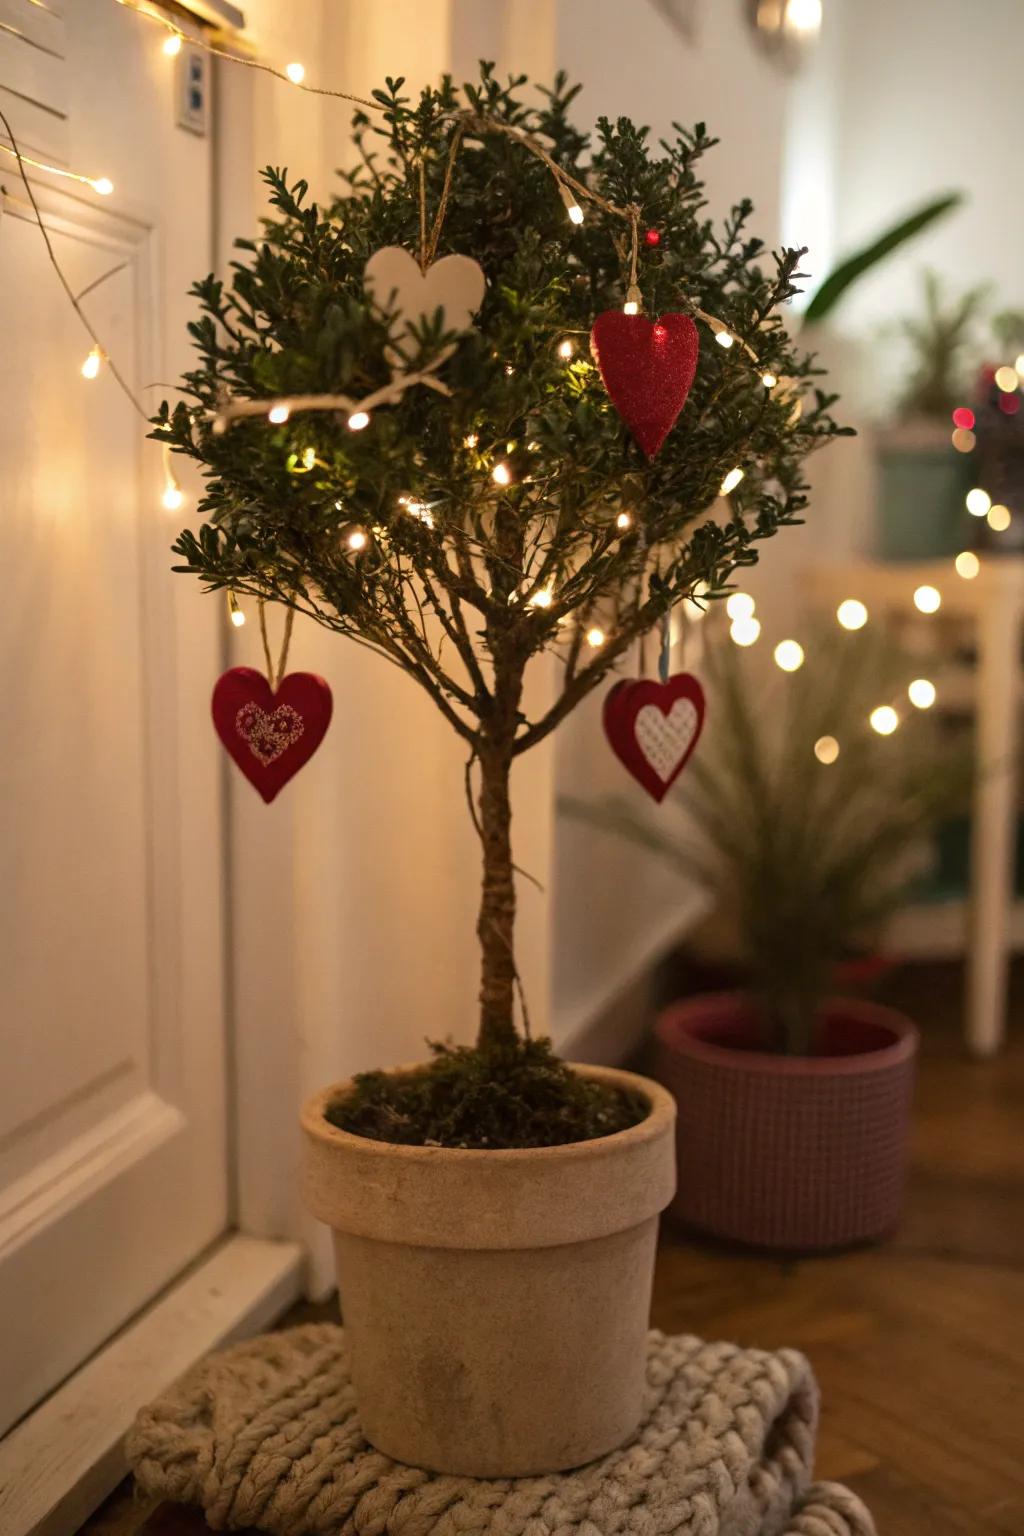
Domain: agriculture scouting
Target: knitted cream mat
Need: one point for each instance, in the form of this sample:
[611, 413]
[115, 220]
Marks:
[266, 1434]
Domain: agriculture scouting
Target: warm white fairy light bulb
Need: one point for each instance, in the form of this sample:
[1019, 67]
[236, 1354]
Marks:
[769, 380]
[595, 636]
[852, 613]
[731, 480]
[740, 605]
[91, 367]
[566, 349]
[296, 72]
[802, 17]
[278, 414]
[572, 207]
[631, 307]
[826, 749]
[103, 185]
[745, 631]
[172, 45]
[1006, 379]
[967, 564]
[308, 458]
[542, 599]
[357, 539]
[470, 440]
[927, 599]
[725, 339]
[623, 521]
[978, 501]
[999, 517]
[235, 613]
[884, 719]
[501, 474]
[358, 420]
[173, 497]
[921, 693]
[789, 655]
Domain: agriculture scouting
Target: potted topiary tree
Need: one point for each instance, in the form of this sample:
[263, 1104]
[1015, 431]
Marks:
[808, 828]
[419, 451]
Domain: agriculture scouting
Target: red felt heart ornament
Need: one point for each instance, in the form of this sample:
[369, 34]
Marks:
[647, 367]
[269, 733]
[653, 728]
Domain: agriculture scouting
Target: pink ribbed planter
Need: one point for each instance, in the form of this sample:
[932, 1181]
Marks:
[790, 1152]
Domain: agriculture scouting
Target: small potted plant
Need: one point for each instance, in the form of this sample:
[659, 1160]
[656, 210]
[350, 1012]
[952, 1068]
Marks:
[809, 828]
[438, 418]
[923, 478]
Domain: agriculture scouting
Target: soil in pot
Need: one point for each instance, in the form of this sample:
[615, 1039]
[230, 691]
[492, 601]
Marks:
[464, 1097]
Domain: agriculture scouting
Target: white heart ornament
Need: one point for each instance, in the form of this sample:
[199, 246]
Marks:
[455, 284]
[663, 739]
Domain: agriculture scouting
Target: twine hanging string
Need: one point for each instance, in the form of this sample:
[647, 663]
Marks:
[274, 676]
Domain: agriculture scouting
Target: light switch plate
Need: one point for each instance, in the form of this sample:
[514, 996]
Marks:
[193, 90]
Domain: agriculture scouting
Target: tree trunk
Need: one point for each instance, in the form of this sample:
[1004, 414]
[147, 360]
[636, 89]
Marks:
[496, 924]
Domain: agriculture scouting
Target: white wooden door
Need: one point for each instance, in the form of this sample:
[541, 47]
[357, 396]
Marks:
[113, 1128]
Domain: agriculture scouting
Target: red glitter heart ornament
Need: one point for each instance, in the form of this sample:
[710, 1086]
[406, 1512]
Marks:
[653, 728]
[648, 368]
[269, 733]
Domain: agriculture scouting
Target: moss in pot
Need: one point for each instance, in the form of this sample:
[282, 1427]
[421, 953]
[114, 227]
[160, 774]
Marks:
[494, 1209]
[809, 829]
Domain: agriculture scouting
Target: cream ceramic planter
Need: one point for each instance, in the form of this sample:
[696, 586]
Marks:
[496, 1303]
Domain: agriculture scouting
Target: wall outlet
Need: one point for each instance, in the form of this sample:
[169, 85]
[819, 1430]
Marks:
[193, 90]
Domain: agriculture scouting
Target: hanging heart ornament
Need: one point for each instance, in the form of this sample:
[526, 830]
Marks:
[648, 368]
[455, 284]
[653, 728]
[270, 733]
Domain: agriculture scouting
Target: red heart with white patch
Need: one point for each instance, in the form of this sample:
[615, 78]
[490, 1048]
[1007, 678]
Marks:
[647, 367]
[271, 734]
[653, 728]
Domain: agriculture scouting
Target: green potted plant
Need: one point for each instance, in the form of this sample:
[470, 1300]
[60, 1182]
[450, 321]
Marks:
[923, 478]
[462, 497]
[808, 827]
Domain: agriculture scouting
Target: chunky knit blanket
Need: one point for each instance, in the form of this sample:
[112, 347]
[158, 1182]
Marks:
[266, 1434]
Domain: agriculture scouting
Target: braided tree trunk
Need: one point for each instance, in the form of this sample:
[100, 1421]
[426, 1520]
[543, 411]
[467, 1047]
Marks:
[496, 923]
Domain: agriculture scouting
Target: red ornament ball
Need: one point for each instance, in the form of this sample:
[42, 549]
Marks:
[652, 237]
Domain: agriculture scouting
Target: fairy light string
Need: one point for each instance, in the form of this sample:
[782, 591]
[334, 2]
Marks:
[99, 349]
[570, 188]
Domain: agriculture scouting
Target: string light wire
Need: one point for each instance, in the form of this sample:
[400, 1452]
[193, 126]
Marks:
[115, 372]
[566, 183]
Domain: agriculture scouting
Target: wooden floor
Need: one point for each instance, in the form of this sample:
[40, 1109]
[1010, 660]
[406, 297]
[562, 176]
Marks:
[918, 1345]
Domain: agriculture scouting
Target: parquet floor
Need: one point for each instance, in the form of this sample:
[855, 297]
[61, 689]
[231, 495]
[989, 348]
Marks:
[918, 1344]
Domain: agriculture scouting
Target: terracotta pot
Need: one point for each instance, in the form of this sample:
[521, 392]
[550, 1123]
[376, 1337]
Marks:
[797, 1153]
[496, 1303]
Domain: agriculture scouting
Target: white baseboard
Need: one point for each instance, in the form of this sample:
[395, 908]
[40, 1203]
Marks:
[62, 1460]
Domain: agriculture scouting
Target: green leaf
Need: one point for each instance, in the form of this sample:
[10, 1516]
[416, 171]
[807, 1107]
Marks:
[827, 297]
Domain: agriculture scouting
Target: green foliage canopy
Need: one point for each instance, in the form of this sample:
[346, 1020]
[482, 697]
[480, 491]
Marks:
[447, 597]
